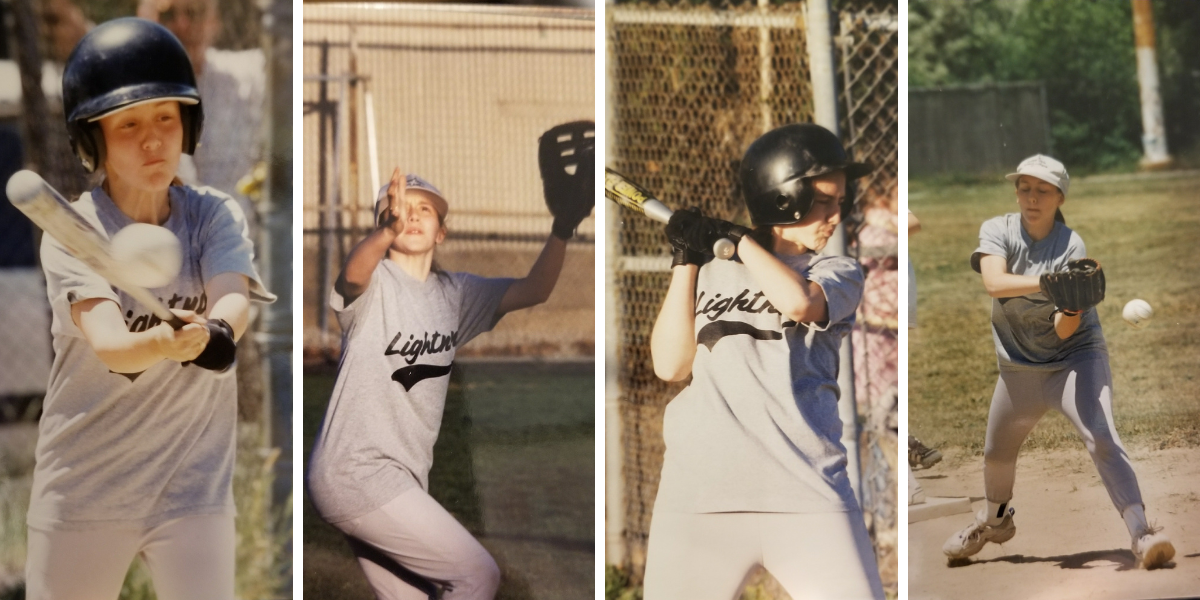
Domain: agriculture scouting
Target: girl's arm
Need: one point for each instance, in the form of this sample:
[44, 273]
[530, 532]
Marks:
[791, 294]
[123, 351]
[1065, 326]
[360, 266]
[673, 339]
[356, 275]
[229, 300]
[536, 286]
[1002, 284]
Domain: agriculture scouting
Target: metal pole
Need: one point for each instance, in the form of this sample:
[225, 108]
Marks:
[372, 141]
[824, 84]
[274, 333]
[614, 463]
[1154, 135]
[352, 131]
[764, 71]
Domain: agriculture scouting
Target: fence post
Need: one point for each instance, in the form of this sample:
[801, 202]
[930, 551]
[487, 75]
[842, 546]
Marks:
[614, 484]
[824, 84]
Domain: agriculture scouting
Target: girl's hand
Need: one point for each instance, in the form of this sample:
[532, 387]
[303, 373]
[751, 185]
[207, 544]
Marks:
[397, 189]
[186, 343]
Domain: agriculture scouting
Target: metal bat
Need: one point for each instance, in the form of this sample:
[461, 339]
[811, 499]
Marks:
[49, 210]
[621, 190]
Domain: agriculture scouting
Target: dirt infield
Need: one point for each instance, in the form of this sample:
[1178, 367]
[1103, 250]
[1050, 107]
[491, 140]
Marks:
[1070, 542]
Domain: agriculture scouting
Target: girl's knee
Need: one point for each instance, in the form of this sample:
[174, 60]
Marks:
[1105, 448]
[482, 574]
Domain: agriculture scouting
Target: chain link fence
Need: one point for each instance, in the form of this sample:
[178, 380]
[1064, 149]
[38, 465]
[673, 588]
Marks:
[459, 96]
[690, 88]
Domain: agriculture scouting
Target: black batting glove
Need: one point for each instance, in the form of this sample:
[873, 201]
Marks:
[689, 229]
[699, 233]
[221, 350]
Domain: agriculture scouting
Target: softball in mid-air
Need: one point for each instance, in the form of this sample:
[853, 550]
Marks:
[148, 256]
[1137, 313]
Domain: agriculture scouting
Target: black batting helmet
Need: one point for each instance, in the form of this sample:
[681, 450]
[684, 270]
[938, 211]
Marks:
[119, 64]
[778, 168]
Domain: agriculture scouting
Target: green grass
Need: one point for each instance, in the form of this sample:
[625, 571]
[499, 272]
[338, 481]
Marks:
[1145, 233]
[514, 462]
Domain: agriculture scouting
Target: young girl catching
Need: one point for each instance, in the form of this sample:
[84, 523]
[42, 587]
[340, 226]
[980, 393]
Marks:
[135, 451]
[754, 471]
[1051, 357]
[402, 320]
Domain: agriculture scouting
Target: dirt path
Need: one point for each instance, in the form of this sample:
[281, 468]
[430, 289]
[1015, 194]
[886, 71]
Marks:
[1070, 542]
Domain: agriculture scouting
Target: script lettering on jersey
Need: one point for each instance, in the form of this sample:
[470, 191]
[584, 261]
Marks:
[717, 306]
[196, 304]
[414, 347]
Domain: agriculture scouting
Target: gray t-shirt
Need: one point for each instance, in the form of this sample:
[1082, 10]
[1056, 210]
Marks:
[757, 430]
[398, 344]
[138, 450]
[1023, 327]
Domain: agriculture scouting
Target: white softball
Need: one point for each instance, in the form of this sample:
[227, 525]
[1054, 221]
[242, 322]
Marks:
[147, 255]
[1137, 313]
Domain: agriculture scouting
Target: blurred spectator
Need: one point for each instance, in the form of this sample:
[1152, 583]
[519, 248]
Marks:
[875, 339]
[232, 87]
[64, 25]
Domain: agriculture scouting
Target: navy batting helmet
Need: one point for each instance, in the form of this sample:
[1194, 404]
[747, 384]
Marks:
[778, 168]
[119, 64]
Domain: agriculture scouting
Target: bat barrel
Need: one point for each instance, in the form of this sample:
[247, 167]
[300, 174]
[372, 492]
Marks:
[25, 186]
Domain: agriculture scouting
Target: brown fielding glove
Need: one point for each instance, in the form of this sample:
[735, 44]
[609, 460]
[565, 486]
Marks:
[566, 157]
[1077, 288]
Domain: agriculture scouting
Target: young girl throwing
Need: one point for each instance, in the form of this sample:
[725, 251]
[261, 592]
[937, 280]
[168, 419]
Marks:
[402, 321]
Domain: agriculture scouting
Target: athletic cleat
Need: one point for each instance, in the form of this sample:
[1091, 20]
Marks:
[1153, 549]
[971, 540]
[921, 456]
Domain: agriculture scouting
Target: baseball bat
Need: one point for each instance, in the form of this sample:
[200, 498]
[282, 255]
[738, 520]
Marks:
[49, 210]
[623, 191]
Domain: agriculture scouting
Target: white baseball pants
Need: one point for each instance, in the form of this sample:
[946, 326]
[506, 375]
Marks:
[411, 543]
[822, 556]
[1082, 392]
[191, 558]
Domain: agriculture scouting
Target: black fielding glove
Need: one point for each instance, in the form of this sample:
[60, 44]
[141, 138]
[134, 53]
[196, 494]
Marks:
[566, 158]
[221, 350]
[1077, 288]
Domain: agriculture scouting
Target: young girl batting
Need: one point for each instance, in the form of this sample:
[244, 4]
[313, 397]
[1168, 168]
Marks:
[1052, 355]
[403, 319]
[754, 471]
[135, 451]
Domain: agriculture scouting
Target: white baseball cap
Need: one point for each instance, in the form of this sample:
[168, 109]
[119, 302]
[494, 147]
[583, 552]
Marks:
[1045, 168]
[413, 182]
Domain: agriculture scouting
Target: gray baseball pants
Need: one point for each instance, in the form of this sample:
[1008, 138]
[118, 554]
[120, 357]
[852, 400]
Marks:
[410, 544]
[190, 558]
[707, 556]
[1083, 392]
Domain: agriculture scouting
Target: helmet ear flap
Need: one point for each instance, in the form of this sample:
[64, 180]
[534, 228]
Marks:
[88, 142]
[191, 117]
[848, 202]
[804, 199]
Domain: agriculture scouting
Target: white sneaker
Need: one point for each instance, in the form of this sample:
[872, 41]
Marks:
[1152, 549]
[971, 540]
